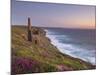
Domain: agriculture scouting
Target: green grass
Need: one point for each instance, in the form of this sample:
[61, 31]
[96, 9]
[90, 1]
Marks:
[44, 52]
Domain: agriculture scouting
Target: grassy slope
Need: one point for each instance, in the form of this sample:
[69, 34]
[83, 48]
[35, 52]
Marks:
[28, 57]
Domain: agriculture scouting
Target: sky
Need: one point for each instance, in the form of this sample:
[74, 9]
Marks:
[53, 15]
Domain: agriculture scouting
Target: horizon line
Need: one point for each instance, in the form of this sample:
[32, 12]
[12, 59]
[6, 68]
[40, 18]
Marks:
[55, 27]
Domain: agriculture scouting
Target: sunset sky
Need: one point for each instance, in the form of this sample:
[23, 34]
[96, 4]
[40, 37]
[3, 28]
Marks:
[53, 15]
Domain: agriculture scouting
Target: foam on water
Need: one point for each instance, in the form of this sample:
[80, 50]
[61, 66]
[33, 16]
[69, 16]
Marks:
[71, 49]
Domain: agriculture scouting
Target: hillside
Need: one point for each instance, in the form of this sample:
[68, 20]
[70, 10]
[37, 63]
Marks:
[40, 55]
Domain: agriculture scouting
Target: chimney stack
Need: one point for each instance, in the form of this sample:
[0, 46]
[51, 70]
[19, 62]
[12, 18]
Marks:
[29, 30]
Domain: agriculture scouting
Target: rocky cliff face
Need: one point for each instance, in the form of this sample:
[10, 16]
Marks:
[40, 55]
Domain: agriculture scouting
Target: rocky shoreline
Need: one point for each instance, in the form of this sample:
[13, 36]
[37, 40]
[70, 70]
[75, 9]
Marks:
[40, 55]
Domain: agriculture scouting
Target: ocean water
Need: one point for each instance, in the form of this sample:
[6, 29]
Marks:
[79, 43]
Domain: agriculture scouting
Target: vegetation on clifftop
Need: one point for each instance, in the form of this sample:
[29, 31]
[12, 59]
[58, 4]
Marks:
[40, 56]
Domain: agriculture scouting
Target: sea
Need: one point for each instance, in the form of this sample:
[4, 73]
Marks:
[78, 43]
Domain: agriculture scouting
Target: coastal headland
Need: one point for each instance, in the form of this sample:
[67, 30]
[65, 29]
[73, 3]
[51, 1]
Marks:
[39, 55]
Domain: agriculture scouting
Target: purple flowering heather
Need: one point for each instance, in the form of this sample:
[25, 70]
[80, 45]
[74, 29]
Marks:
[24, 65]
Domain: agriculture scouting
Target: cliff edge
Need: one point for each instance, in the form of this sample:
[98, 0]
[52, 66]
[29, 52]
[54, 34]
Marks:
[40, 55]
